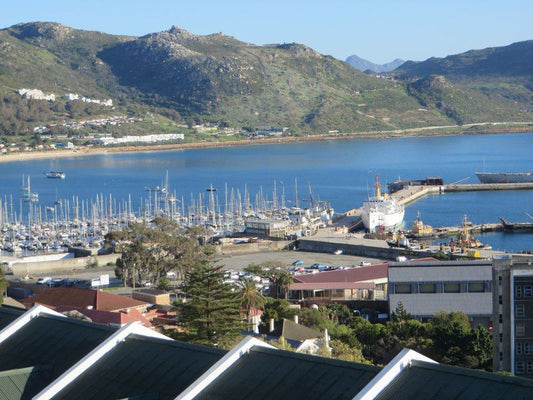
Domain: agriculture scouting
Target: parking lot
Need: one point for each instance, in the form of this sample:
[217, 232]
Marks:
[286, 258]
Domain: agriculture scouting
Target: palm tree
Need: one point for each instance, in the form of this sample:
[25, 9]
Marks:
[249, 297]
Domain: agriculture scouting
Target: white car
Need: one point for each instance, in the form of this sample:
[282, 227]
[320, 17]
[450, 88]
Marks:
[43, 280]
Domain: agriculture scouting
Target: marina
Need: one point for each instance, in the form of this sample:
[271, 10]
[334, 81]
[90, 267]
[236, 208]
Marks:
[124, 187]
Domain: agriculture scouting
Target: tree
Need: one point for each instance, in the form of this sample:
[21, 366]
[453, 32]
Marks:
[249, 297]
[280, 280]
[150, 252]
[211, 312]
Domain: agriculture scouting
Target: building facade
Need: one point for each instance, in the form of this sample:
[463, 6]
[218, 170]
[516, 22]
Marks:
[513, 315]
[426, 287]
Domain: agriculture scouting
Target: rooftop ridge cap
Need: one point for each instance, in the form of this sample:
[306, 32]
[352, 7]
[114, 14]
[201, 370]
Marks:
[220, 366]
[391, 371]
[96, 354]
[178, 343]
[25, 318]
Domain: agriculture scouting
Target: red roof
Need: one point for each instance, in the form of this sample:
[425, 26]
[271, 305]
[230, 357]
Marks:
[77, 297]
[109, 317]
[332, 285]
[357, 274]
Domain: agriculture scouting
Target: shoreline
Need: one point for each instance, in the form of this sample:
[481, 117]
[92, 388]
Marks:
[420, 132]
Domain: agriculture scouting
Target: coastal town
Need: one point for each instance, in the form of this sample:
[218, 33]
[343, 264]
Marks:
[218, 201]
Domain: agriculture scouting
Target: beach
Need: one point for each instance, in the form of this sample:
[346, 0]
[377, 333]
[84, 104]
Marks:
[485, 128]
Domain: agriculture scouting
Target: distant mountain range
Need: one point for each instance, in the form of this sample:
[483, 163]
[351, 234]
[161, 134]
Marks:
[181, 78]
[364, 65]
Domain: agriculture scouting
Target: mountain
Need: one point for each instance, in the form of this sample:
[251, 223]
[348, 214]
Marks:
[178, 78]
[364, 65]
[513, 61]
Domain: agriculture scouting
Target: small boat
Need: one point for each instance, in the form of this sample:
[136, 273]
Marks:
[55, 175]
[54, 172]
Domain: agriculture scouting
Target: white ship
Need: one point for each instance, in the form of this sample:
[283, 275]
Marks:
[382, 212]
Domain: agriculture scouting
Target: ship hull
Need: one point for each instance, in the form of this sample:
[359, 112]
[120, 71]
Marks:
[505, 177]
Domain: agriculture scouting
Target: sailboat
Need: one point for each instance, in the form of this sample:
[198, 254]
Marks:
[55, 173]
[26, 194]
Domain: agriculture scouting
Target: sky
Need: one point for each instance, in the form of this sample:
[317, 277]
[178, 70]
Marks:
[378, 31]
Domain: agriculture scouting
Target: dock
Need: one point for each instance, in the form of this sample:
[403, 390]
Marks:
[411, 194]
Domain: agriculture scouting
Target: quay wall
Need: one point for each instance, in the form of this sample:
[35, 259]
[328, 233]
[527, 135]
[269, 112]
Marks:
[256, 247]
[67, 264]
[356, 249]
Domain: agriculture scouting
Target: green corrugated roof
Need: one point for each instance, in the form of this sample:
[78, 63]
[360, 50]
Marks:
[423, 380]
[23, 383]
[143, 368]
[277, 374]
[55, 341]
[8, 315]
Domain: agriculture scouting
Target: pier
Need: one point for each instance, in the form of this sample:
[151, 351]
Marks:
[411, 194]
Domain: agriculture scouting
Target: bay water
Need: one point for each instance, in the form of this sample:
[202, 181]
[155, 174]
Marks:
[341, 172]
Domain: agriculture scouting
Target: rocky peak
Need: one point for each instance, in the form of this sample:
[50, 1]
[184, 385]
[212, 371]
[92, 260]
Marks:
[41, 31]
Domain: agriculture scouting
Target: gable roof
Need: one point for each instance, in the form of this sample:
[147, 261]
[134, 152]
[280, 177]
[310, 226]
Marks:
[48, 340]
[424, 380]
[78, 297]
[108, 317]
[23, 383]
[277, 374]
[356, 274]
[8, 315]
[141, 366]
[293, 331]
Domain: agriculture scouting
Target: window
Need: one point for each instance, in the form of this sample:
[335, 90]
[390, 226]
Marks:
[402, 288]
[500, 320]
[501, 337]
[527, 291]
[476, 287]
[520, 367]
[427, 288]
[528, 348]
[518, 291]
[520, 311]
[500, 300]
[529, 365]
[518, 349]
[500, 280]
[520, 329]
[452, 288]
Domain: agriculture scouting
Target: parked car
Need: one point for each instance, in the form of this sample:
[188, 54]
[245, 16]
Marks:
[56, 282]
[43, 280]
[298, 262]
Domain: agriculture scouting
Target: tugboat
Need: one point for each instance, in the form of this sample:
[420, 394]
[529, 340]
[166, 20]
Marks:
[419, 230]
[467, 241]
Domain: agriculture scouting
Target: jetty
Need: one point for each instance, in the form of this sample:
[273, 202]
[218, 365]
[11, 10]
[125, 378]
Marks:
[412, 193]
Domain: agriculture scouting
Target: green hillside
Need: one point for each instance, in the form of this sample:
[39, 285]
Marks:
[178, 77]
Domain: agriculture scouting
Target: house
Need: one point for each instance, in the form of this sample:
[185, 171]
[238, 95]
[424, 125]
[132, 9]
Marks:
[84, 298]
[426, 286]
[45, 355]
[358, 283]
[114, 318]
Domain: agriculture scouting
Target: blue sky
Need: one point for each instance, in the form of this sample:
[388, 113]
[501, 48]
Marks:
[376, 30]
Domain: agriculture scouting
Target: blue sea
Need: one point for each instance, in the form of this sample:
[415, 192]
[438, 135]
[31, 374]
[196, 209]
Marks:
[341, 172]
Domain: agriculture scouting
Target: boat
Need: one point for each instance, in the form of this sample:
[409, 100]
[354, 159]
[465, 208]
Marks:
[419, 230]
[466, 240]
[26, 194]
[55, 175]
[505, 177]
[381, 212]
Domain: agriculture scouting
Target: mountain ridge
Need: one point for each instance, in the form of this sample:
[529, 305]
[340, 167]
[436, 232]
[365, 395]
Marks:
[216, 78]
